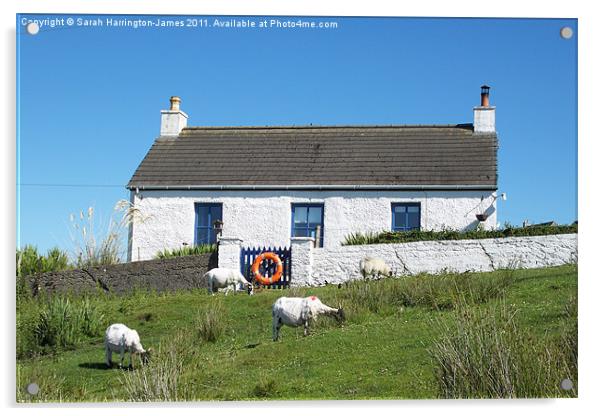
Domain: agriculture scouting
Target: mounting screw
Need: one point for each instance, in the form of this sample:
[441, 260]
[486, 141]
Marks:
[33, 389]
[566, 384]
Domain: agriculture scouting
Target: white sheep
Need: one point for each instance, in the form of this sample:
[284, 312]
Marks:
[221, 277]
[374, 266]
[119, 338]
[299, 311]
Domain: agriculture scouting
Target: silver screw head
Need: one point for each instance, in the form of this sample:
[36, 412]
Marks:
[566, 384]
[33, 389]
[32, 28]
[566, 32]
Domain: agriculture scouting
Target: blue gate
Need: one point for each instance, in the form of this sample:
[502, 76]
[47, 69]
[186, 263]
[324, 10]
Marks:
[248, 256]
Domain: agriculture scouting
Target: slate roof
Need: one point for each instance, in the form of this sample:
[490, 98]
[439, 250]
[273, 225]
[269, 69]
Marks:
[444, 156]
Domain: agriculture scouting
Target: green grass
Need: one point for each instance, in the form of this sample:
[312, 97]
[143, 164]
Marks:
[220, 348]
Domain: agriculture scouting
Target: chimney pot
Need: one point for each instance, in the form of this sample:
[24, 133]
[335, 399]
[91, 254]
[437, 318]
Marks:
[484, 96]
[175, 103]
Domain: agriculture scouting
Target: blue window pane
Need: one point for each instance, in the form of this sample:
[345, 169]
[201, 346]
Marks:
[414, 220]
[399, 220]
[414, 208]
[203, 216]
[399, 209]
[315, 216]
[216, 214]
[300, 216]
[300, 232]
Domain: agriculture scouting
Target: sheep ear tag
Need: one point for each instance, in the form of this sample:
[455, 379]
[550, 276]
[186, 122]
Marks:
[313, 298]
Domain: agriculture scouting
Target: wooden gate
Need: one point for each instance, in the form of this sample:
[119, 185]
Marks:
[248, 256]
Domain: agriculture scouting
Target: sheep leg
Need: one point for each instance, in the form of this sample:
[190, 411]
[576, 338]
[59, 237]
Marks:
[109, 356]
[276, 325]
[306, 327]
[122, 356]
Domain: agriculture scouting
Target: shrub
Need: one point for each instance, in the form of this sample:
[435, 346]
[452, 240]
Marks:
[56, 322]
[30, 262]
[186, 251]
[386, 237]
[483, 353]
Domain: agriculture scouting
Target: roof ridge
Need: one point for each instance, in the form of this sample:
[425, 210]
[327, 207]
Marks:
[335, 126]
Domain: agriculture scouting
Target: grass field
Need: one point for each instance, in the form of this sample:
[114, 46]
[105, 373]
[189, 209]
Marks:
[402, 339]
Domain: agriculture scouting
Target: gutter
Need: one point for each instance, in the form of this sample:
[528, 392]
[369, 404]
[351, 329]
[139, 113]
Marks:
[315, 187]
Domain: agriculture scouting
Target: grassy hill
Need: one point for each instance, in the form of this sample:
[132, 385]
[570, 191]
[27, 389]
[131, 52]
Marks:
[501, 334]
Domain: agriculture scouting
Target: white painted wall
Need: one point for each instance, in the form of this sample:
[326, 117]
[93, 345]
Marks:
[264, 217]
[339, 264]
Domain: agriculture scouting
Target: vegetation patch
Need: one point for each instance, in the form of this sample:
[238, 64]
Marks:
[508, 333]
[387, 237]
[484, 353]
[187, 251]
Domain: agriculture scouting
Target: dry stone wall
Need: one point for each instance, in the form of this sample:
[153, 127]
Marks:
[179, 273]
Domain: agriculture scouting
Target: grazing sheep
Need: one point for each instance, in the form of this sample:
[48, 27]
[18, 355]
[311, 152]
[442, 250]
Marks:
[119, 338]
[222, 277]
[299, 311]
[374, 267]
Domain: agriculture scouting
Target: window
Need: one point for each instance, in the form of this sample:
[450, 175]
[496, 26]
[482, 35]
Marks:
[305, 219]
[406, 216]
[205, 217]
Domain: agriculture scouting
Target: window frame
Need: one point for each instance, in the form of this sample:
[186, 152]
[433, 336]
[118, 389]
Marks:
[197, 206]
[308, 205]
[405, 204]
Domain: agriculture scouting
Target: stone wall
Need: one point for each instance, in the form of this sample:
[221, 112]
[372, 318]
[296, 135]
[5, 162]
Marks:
[342, 263]
[312, 266]
[179, 273]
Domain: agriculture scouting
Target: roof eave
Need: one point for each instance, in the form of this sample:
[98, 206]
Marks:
[314, 187]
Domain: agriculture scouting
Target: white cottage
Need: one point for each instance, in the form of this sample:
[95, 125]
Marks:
[268, 184]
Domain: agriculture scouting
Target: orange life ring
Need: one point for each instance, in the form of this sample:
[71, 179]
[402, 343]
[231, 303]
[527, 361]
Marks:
[263, 279]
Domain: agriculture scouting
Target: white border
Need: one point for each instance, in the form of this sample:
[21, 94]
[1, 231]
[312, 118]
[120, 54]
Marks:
[589, 189]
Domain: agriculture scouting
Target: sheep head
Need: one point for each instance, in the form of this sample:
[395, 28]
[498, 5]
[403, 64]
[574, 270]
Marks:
[340, 315]
[146, 356]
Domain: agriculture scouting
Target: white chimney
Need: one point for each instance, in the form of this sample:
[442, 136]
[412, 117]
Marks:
[173, 120]
[484, 115]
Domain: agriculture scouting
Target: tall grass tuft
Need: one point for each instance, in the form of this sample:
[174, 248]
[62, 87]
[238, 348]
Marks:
[210, 322]
[161, 378]
[483, 353]
[57, 322]
[438, 292]
[186, 251]
[94, 249]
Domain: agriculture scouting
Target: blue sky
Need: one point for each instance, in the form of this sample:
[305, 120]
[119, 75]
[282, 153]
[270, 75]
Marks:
[89, 99]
